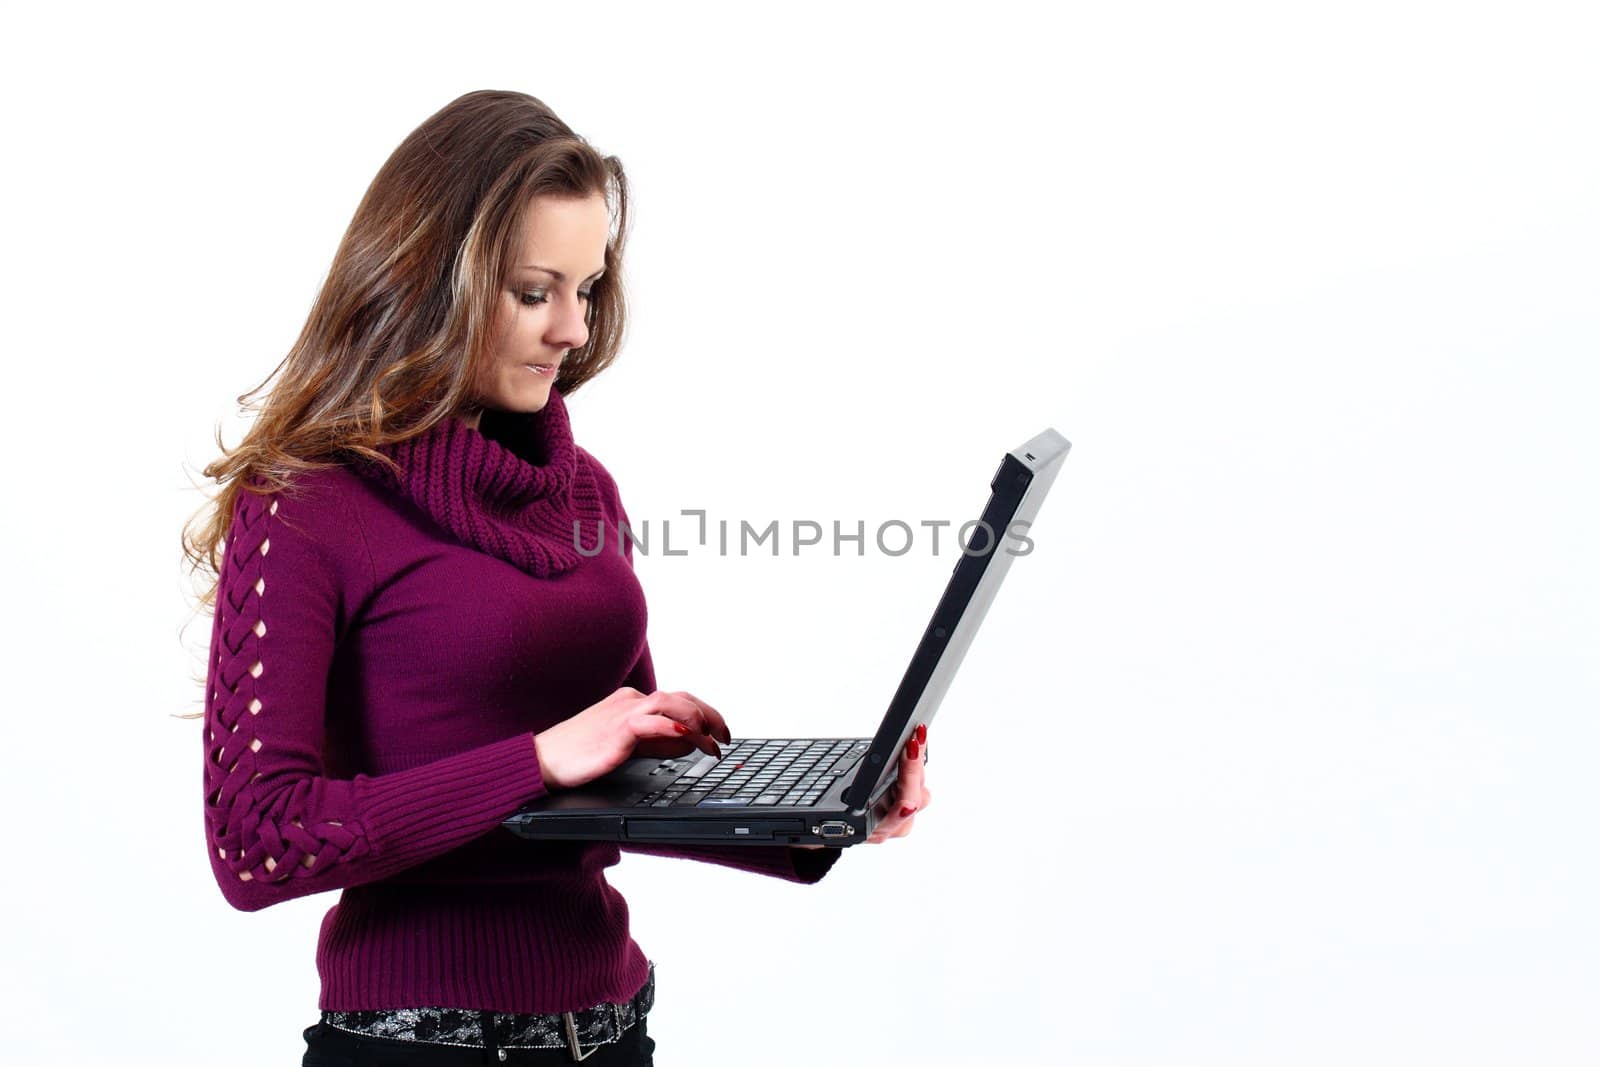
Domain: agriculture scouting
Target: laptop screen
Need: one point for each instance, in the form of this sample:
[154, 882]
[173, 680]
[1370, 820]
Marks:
[1017, 490]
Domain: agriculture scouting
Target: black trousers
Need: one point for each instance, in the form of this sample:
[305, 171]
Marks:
[327, 1046]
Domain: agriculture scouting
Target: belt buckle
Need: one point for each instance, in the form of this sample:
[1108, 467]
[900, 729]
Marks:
[574, 1049]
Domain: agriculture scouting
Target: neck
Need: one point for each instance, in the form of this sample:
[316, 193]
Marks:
[515, 492]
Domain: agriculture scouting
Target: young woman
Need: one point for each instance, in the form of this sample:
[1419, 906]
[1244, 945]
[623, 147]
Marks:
[408, 644]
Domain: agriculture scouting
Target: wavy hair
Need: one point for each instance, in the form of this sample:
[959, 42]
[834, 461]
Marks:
[407, 311]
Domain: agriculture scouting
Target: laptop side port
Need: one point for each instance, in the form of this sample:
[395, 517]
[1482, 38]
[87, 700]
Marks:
[834, 828]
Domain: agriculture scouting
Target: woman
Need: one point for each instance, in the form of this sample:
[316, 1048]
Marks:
[405, 629]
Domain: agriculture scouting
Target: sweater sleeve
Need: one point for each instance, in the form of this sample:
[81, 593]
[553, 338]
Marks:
[277, 827]
[778, 861]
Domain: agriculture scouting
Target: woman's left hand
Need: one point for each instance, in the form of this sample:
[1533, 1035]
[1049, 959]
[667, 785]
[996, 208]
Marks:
[911, 791]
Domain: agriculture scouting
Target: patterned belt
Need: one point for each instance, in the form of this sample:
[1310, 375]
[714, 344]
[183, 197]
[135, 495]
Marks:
[603, 1024]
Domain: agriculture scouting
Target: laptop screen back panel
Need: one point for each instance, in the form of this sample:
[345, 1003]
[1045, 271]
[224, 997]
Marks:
[1017, 490]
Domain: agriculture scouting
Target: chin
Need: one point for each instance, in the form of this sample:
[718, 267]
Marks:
[530, 399]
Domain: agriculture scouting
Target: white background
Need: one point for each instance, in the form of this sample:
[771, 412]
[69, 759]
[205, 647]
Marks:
[1278, 749]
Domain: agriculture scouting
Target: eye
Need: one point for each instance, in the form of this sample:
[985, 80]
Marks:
[535, 297]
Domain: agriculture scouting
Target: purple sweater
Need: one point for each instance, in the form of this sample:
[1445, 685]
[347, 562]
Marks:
[382, 652]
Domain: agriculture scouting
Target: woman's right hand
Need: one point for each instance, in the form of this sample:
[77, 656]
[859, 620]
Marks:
[602, 736]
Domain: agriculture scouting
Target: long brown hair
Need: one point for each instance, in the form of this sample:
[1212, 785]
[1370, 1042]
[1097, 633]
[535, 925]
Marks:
[406, 314]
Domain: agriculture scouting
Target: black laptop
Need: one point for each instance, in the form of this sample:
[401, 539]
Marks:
[830, 791]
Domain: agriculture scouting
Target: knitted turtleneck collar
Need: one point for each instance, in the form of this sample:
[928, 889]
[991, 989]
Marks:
[513, 488]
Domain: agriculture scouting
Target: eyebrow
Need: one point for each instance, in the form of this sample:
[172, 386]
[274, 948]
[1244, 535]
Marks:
[558, 275]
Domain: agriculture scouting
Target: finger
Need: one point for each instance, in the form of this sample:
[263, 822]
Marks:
[717, 726]
[680, 709]
[898, 815]
[660, 724]
[678, 706]
[650, 724]
[912, 776]
[896, 826]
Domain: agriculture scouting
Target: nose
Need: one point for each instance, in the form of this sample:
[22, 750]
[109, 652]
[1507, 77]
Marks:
[569, 327]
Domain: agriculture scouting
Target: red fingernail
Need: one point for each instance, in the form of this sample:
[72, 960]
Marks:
[922, 734]
[912, 749]
[678, 726]
[906, 811]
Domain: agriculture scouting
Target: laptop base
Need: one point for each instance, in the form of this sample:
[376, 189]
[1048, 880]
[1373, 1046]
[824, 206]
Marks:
[648, 800]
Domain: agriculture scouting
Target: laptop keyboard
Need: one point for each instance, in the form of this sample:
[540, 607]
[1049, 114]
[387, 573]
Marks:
[762, 773]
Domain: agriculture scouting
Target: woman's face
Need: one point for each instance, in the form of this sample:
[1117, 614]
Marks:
[541, 311]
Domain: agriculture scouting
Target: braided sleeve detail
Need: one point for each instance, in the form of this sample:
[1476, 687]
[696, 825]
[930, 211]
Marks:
[261, 829]
[277, 827]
